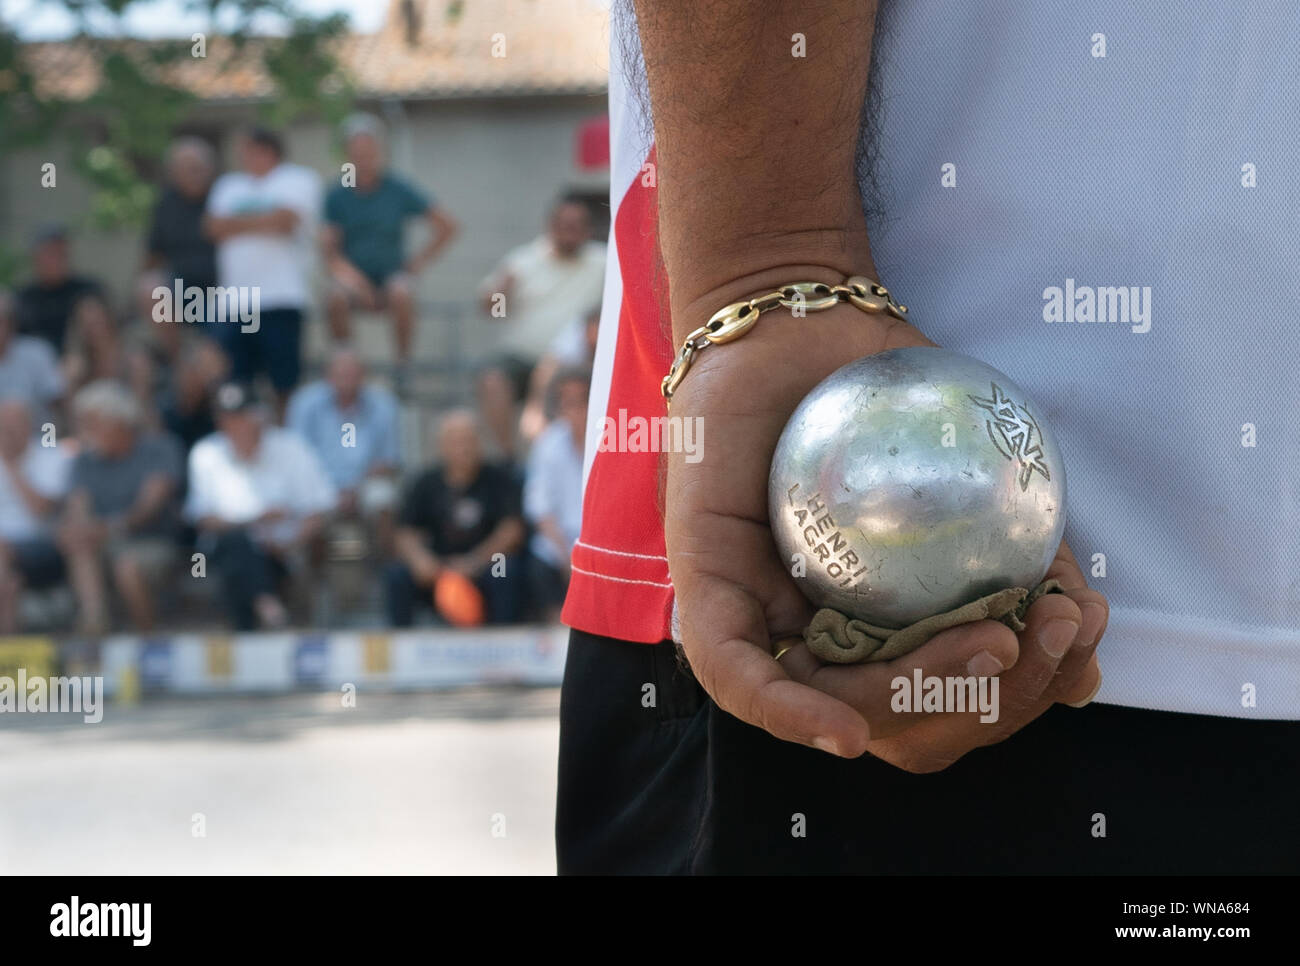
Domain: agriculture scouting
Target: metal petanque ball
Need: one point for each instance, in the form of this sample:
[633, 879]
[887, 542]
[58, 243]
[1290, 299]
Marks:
[913, 482]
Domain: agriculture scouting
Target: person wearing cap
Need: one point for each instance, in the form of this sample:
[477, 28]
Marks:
[45, 305]
[258, 497]
[363, 239]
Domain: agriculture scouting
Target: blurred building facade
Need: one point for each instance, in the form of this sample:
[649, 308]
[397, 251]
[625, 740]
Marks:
[492, 106]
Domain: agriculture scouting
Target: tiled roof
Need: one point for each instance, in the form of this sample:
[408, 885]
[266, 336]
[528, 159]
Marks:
[545, 46]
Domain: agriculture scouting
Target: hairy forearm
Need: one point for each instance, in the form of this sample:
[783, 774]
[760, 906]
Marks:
[151, 502]
[756, 147]
[505, 538]
[411, 548]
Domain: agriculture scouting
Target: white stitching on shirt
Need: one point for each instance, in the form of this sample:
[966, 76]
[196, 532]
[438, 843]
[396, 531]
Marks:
[621, 580]
[620, 553]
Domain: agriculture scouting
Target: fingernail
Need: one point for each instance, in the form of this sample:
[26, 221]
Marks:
[826, 745]
[1094, 615]
[1056, 637]
[984, 665]
[1088, 700]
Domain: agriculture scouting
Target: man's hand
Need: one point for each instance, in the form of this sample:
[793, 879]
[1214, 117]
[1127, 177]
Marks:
[736, 597]
[463, 564]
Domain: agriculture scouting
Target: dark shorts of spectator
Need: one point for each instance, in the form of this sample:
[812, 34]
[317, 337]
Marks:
[274, 349]
[38, 562]
[380, 280]
[547, 584]
[517, 369]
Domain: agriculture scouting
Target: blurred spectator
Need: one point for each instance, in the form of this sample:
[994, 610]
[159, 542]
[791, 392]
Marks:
[352, 427]
[177, 249]
[262, 219]
[553, 490]
[537, 290]
[364, 238]
[573, 348]
[458, 515]
[33, 479]
[45, 306]
[121, 513]
[186, 398]
[96, 350]
[258, 496]
[29, 369]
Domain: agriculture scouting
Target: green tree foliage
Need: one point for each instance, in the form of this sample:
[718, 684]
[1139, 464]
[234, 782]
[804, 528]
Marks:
[118, 134]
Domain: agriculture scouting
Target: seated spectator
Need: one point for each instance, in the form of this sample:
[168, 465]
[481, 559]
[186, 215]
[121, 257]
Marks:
[573, 348]
[537, 290]
[352, 427]
[364, 238]
[121, 512]
[553, 490]
[458, 515]
[95, 350]
[258, 498]
[33, 480]
[189, 389]
[45, 306]
[29, 369]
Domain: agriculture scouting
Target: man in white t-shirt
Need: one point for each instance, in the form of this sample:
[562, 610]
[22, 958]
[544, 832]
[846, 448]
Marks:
[33, 479]
[536, 291]
[263, 219]
[258, 496]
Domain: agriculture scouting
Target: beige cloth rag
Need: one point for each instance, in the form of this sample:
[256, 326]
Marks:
[839, 639]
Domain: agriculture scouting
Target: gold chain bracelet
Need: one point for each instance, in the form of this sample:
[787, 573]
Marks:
[735, 320]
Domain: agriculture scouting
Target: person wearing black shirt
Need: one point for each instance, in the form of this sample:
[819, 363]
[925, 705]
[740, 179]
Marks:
[459, 515]
[177, 246]
[45, 306]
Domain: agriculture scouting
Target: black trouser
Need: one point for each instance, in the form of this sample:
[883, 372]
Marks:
[685, 787]
[246, 570]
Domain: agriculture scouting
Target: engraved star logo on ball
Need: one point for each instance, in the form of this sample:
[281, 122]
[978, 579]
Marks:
[1015, 433]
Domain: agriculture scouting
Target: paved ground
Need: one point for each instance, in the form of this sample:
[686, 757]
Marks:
[459, 782]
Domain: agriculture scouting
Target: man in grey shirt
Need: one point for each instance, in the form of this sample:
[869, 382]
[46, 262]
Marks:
[122, 508]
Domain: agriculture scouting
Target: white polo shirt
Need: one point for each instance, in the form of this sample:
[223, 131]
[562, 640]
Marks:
[284, 475]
